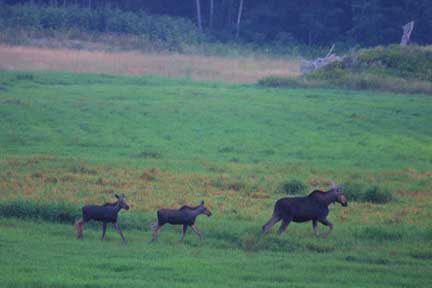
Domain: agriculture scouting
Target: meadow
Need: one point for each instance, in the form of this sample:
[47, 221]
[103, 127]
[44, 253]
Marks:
[97, 58]
[70, 139]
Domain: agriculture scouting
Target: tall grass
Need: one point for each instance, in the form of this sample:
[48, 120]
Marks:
[242, 69]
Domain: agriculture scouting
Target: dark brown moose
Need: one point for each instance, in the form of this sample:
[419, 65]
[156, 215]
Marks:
[185, 216]
[313, 207]
[106, 213]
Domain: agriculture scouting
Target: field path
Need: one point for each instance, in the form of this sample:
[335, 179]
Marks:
[239, 70]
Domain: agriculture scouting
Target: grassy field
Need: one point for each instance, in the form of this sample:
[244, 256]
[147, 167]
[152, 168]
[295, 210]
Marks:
[78, 138]
[46, 255]
[230, 69]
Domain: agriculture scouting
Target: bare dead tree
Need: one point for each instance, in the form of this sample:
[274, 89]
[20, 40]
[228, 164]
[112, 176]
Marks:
[407, 30]
[211, 14]
[228, 4]
[199, 19]
[239, 14]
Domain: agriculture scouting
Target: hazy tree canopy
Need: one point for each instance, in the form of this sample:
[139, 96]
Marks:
[313, 22]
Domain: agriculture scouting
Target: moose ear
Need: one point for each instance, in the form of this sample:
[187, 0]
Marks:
[202, 202]
[115, 195]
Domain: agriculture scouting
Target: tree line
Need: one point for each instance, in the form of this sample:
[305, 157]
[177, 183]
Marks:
[283, 22]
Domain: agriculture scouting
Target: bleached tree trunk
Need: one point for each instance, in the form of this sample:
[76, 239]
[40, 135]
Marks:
[198, 8]
[229, 16]
[407, 30]
[239, 14]
[310, 66]
[211, 14]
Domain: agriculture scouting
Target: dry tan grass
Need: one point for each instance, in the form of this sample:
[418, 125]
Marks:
[241, 70]
[149, 189]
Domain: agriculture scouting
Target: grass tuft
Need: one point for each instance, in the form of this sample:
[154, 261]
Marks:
[421, 253]
[379, 233]
[60, 212]
[377, 194]
[282, 82]
[320, 247]
[367, 260]
[293, 187]
[361, 192]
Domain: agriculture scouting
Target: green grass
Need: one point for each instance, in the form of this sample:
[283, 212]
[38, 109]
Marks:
[36, 254]
[69, 139]
[108, 119]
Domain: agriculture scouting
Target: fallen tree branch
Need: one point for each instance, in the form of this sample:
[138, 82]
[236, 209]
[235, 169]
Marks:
[310, 66]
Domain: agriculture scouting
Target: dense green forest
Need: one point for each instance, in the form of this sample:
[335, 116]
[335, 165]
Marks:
[279, 22]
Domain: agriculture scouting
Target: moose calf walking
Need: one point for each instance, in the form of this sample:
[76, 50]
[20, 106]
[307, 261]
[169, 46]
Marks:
[185, 216]
[106, 213]
[313, 207]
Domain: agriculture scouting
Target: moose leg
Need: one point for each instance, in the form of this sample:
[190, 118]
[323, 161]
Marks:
[79, 226]
[315, 227]
[184, 231]
[195, 229]
[273, 220]
[104, 226]
[283, 226]
[117, 227]
[155, 227]
[328, 224]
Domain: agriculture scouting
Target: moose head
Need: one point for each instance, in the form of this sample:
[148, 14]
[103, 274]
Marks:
[340, 197]
[205, 210]
[122, 201]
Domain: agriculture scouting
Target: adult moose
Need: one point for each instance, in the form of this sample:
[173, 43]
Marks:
[185, 216]
[106, 213]
[313, 207]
